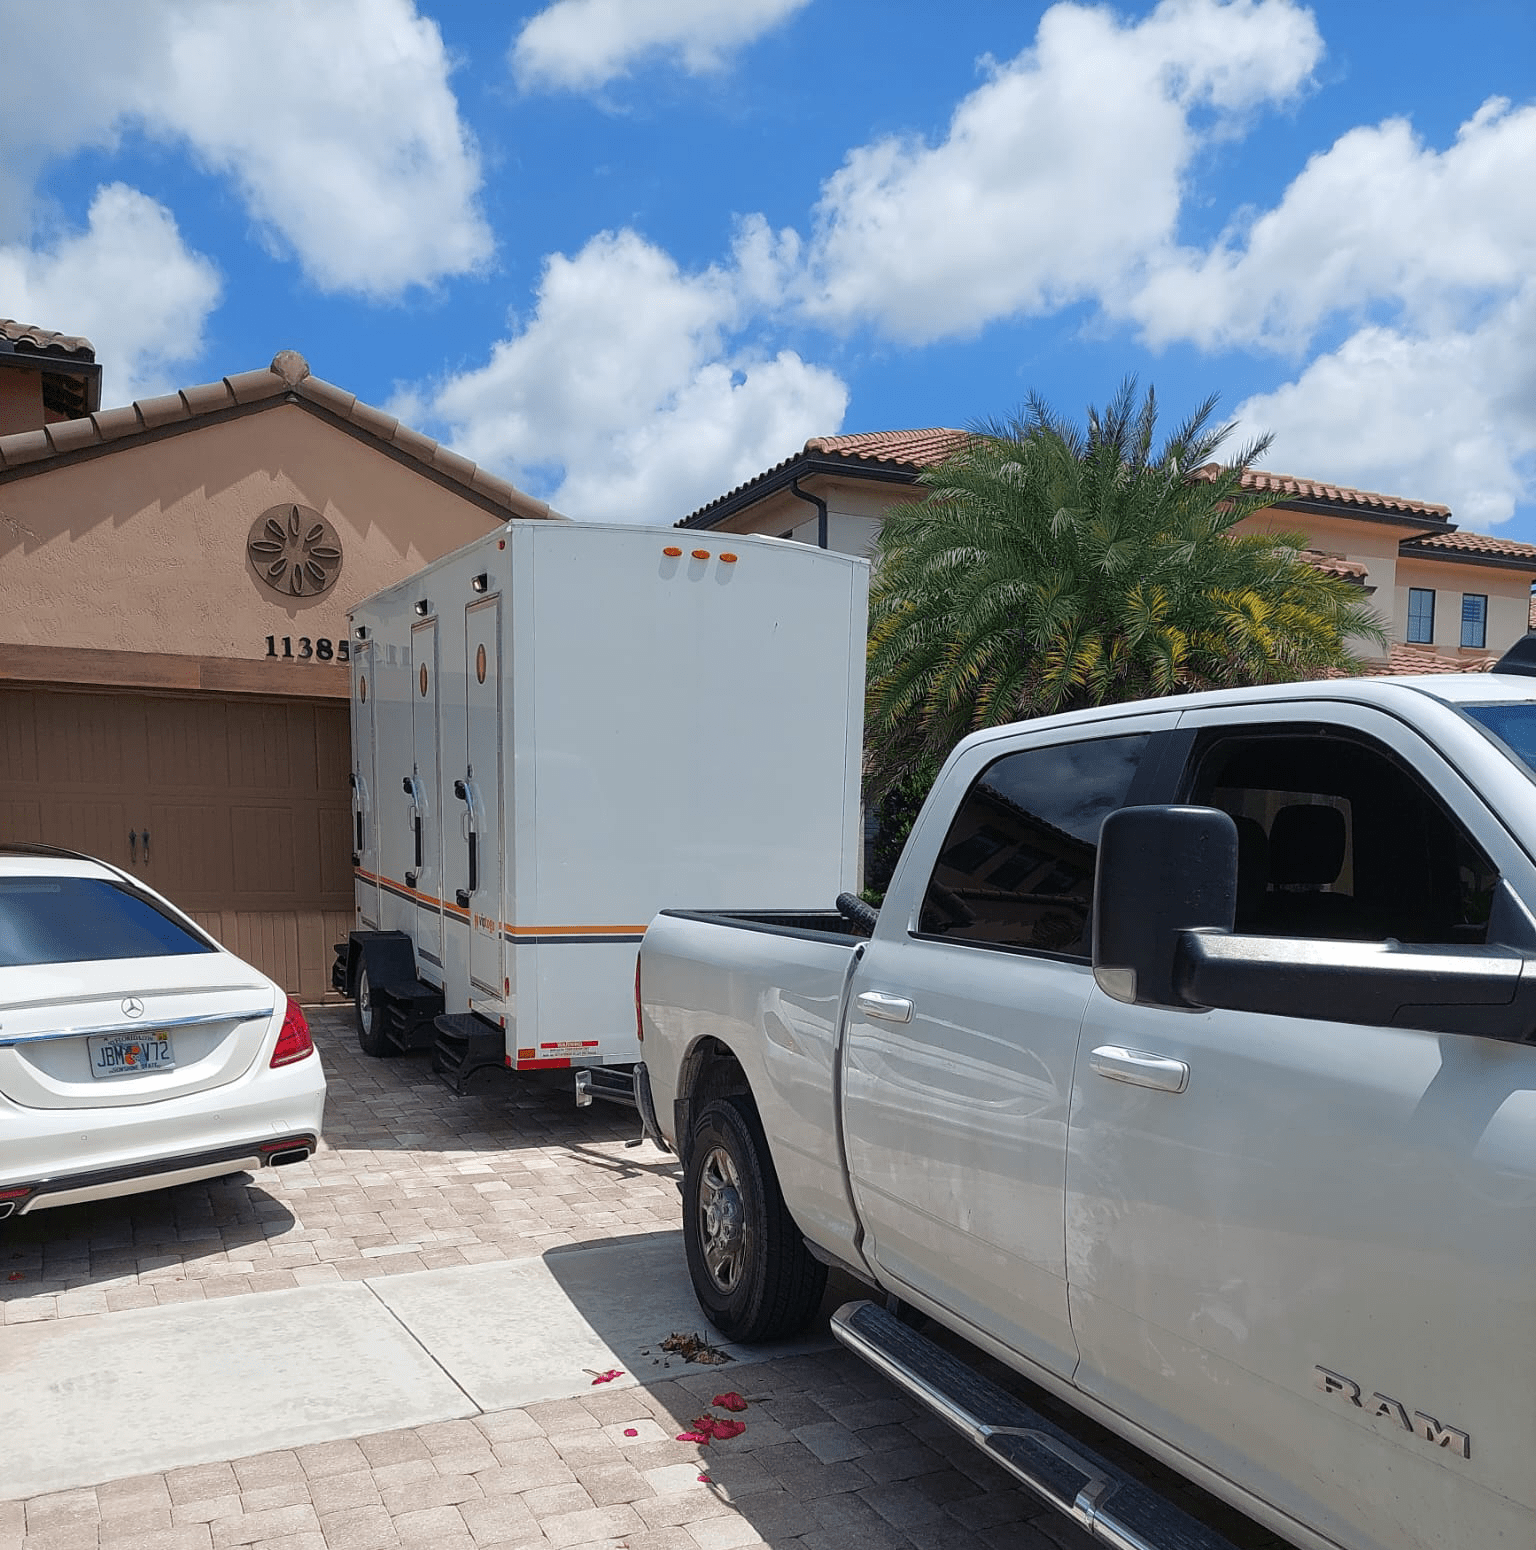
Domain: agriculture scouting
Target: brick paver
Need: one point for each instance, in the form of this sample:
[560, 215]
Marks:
[408, 1177]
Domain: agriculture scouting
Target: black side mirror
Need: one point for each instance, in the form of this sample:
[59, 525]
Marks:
[1162, 871]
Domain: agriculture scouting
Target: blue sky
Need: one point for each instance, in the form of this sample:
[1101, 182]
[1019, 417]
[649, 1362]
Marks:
[631, 252]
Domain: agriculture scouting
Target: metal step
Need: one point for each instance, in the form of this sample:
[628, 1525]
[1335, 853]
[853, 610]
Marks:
[466, 1045]
[1100, 1497]
[409, 1013]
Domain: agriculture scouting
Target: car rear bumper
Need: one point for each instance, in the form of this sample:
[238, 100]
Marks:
[67, 1189]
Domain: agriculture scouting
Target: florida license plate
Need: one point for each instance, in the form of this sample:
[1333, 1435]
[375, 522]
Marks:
[138, 1054]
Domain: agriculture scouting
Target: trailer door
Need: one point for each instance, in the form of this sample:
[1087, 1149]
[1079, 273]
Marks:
[424, 791]
[483, 809]
[365, 820]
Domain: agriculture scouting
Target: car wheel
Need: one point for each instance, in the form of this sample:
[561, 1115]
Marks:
[751, 1271]
[370, 1017]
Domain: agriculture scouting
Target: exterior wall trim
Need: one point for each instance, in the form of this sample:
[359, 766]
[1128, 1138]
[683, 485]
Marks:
[85, 667]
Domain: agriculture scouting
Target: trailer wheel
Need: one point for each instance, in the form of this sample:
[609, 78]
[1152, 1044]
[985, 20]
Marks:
[751, 1271]
[370, 1018]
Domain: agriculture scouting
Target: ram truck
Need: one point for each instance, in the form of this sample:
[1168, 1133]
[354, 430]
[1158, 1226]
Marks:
[1188, 1069]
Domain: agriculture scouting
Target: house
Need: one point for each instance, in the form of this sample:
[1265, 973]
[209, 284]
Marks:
[1448, 600]
[175, 577]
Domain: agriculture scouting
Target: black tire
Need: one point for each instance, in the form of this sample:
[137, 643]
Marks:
[369, 1016]
[752, 1273]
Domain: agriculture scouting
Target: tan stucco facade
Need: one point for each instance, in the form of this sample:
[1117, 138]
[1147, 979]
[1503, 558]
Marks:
[1507, 590]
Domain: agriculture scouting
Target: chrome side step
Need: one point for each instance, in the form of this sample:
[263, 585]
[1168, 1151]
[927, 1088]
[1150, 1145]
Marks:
[1100, 1497]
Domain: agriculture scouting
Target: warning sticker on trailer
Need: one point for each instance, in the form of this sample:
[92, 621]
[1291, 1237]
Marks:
[564, 1048]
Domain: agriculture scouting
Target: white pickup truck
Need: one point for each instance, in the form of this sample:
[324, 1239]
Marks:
[1190, 1070]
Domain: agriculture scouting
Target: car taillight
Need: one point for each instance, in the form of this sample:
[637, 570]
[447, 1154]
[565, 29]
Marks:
[294, 1042]
[639, 1017]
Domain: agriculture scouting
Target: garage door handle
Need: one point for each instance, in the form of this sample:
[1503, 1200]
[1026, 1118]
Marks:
[146, 847]
[1140, 1069]
[133, 846]
[885, 1009]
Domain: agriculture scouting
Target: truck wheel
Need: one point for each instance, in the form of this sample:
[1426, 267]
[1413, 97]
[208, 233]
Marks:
[752, 1273]
[370, 1019]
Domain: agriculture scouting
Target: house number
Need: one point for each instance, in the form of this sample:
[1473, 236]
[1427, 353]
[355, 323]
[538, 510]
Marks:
[303, 649]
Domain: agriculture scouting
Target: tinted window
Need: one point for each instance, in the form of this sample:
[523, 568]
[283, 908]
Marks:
[1337, 839]
[1016, 868]
[1513, 728]
[77, 919]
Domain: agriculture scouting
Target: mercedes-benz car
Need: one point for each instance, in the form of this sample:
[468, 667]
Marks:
[135, 1051]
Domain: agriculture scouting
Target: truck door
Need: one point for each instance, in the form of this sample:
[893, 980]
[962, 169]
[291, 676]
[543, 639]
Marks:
[480, 795]
[365, 826]
[423, 792]
[962, 1030]
[1304, 1251]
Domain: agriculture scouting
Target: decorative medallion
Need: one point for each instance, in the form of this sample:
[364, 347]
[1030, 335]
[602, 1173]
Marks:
[423, 680]
[480, 664]
[295, 551]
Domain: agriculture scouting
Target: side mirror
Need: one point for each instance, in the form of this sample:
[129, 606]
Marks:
[1162, 871]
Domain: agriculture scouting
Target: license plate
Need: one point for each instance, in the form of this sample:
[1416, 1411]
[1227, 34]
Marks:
[131, 1055]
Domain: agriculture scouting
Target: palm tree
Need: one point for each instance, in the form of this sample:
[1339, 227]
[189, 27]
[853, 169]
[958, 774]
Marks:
[1052, 567]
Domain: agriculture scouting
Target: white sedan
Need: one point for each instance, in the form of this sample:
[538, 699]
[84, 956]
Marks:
[135, 1052]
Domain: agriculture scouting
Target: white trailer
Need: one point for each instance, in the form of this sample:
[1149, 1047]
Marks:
[562, 728]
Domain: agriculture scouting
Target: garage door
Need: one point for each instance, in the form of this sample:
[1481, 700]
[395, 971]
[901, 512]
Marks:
[235, 809]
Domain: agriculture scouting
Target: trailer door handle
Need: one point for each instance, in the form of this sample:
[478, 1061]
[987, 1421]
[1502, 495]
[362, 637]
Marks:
[885, 1009]
[1139, 1068]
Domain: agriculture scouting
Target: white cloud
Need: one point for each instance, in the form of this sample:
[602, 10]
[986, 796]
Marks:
[128, 283]
[336, 122]
[580, 45]
[1059, 176]
[1377, 218]
[629, 393]
[1447, 417]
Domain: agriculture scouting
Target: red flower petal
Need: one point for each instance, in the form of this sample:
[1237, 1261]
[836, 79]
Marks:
[692, 1437]
[629, 1431]
[731, 1401]
[607, 1377]
[724, 1429]
[705, 1480]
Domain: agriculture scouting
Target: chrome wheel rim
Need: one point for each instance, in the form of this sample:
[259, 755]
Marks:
[364, 1003]
[721, 1227]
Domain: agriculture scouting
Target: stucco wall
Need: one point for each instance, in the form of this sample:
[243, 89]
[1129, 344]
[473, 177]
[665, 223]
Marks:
[1508, 593]
[143, 548]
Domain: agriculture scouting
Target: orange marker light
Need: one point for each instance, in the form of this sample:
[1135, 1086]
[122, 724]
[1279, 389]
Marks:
[671, 551]
[701, 554]
[727, 559]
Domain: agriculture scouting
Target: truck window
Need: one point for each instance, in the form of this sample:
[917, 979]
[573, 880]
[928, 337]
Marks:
[1016, 867]
[1337, 839]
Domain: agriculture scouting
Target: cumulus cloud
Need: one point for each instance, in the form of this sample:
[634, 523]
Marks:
[335, 122]
[631, 394]
[128, 283]
[1059, 176]
[580, 45]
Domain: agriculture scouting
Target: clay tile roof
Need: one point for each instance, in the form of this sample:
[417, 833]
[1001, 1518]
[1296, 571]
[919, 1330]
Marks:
[914, 449]
[28, 339]
[1471, 543]
[1262, 482]
[1335, 565]
[286, 380]
[1401, 660]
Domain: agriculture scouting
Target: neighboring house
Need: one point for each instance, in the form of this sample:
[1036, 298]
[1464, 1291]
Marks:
[1448, 600]
[175, 577]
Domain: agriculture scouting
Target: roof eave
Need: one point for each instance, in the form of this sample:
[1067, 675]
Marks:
[802, 466]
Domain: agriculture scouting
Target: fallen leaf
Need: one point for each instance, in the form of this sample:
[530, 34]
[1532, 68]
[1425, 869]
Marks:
[694, 1348]
[15, 1275]
[731, 1401]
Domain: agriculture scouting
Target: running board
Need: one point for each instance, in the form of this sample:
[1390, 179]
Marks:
[1110, 1504]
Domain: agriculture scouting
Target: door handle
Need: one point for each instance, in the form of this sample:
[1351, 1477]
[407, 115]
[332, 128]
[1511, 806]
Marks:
[885, 1009]
[133, 847]
[1139, 1068]
[146, 847]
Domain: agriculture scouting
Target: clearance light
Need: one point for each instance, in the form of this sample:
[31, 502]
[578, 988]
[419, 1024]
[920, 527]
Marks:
[421, 606]
[727, 559]
[479, 583]
[701, 554]
[671, 551]
[361, 632]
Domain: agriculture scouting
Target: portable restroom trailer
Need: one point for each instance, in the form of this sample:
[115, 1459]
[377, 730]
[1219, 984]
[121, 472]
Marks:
[559, 730]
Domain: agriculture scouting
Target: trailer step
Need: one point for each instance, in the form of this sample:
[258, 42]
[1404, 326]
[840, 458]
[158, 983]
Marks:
[409, 1013]
[1102, 1498]
[465, 1045]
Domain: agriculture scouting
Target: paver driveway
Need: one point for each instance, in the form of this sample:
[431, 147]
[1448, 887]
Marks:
[411, 1178]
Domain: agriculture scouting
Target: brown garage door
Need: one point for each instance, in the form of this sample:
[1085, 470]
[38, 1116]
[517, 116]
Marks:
[235, 809]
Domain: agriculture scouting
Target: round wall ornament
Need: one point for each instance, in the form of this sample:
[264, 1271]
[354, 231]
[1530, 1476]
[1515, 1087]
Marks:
[294, 550]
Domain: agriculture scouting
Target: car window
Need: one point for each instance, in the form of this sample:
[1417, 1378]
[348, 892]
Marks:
[80, 919]
[1338, 839]
[1016, 867]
